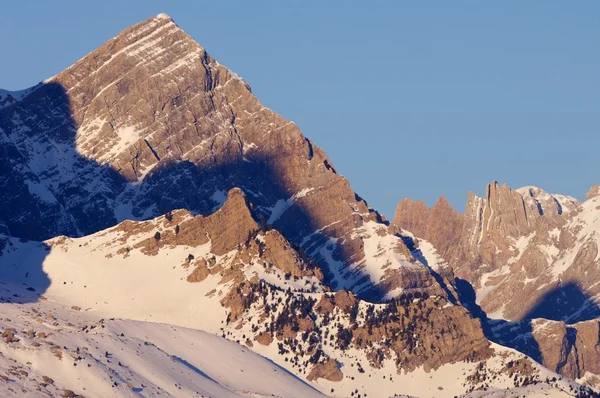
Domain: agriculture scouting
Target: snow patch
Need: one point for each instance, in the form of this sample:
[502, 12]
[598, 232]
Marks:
[40, 191]
[219, 197]
[282, 205]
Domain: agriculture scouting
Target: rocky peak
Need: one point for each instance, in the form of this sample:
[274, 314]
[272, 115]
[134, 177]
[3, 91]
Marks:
[412, 215]
[149, 123]
[593, 192]
[546, 203]
[492, 232]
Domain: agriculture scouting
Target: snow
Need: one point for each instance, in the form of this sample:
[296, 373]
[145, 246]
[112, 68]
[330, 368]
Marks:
[381, 252]
[16, 96]
[426, 253]
[530, 192]
[40, 191]
[521, 245]
[219, 197]
[155, 344]
[162, 15]
[587, 223]
[117, 286]
[120, 357]
[283, 204]
[486, 289]
[382, 258]
[127, 136]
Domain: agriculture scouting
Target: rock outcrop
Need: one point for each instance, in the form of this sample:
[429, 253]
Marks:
[500, 244]
[571, 350]
[328, 370]
[525, 255]
[148, 147]
[593, 192]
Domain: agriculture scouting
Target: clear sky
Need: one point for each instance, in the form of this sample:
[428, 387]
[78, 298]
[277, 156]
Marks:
[416, 99]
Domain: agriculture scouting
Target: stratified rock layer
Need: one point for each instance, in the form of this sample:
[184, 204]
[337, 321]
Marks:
[526, 255]
[149, 123]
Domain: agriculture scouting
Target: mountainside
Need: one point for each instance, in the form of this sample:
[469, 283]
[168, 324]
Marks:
[149, 123]
[524, 254]
[163, 233]
[226, 274]
[48, 349]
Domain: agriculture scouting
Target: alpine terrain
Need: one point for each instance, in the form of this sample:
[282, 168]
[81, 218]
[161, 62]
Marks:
[162, 233]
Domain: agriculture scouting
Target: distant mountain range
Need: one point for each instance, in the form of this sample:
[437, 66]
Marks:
[150, 202]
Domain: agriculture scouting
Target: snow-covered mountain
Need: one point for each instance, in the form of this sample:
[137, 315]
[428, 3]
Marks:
[48, 349]
[525, 254]
[163, 233]
[119, 312]
[149, 123]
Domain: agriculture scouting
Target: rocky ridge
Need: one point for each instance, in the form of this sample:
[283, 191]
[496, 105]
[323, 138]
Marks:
[521, 255]
[255, 289]
[108, 153]
[126, 131]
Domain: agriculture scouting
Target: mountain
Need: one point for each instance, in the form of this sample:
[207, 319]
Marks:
[522, 256]
[150, 202]
[52, 350]
[150, 123]
[166, 278]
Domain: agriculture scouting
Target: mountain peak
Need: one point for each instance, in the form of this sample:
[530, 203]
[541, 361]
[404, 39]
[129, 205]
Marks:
[593, 192]
[163, 15]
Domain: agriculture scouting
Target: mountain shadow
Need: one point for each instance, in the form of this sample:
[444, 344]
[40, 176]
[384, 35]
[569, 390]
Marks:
[49, 189]
[22, 278]
[566, 302]
[418, 255]
[515, 335]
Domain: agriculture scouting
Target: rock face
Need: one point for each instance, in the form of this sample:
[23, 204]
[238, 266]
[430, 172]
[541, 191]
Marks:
[328, 370]
[149, 123]
[148, 147]
[593, 192]
[504, 244]
[227, 273]
[524, 254]
[571, 350]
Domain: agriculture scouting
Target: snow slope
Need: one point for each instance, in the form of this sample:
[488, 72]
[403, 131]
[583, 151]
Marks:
[136, 321]
[98, 357]
[8, 98]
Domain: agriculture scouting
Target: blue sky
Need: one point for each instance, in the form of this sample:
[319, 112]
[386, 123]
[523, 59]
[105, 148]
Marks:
[416, 99]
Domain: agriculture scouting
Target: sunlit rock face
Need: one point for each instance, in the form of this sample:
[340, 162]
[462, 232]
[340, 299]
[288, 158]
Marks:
[150, 122]
[524, 255]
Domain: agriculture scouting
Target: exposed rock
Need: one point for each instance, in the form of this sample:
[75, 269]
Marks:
[325, 305]
[493, 233]
[264, 338]
[149, 123]
[593, 192]
[527, 254]
[571, 350]
[200, 273]
[344, 300]
[328, 369]
[424, 334]
[9, 336]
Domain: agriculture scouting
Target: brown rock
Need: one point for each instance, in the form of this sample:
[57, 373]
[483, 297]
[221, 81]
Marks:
[264, 338]
[344, 299]
[570, 350]
[200, 273]
[325, 305]
[593, 192]
[328, 369]
[152, 107]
